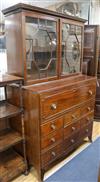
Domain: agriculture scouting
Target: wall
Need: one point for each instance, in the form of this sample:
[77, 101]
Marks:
[95, 12]
[94, 9]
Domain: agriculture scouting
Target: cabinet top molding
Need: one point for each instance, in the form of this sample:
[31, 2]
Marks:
[21, 7]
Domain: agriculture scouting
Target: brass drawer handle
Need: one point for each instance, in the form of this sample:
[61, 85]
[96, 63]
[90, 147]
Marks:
[53, 127]
[90, 92]
[73, 116]
[87, 130]
[53, 106]
[88, 119]
[72, 141]
[53, 140]
[89, 108]
[53, 154]
[73, 128]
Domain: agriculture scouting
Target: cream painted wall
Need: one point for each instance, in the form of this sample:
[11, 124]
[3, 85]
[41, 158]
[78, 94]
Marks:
[95, 12]
[40, 3]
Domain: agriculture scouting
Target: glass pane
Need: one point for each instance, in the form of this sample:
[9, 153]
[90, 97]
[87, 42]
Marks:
[71, 48]
[41, 48]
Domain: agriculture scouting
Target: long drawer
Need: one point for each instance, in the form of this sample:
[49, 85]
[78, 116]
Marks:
[86, 120]
[51, 155]
[54, 104]
[71, 141]
[72, 116]
[78, 112]
[71, 129]
[86, 130]
[87, 107]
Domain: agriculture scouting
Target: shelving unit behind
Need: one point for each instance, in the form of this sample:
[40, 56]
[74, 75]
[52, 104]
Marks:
[11, 162]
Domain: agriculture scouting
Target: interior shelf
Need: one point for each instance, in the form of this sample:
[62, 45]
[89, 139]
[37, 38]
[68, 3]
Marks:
[7, 110]
[6, 79]
[8, 138]
[11, 165]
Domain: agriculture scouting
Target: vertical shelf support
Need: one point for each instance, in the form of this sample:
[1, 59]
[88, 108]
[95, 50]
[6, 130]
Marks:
[23, 128]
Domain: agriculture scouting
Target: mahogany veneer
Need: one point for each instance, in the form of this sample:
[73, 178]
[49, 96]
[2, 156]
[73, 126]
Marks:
[59, 106]
[57, 119]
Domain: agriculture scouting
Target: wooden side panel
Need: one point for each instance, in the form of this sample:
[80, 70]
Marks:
[32, 129]
[15, 63]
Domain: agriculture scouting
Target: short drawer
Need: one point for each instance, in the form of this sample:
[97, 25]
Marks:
[86, 131]
[52, 139]
[51, 155]
[65, 100]
[51, 126]
[71, 141]
[71, 116]
[87, 119]
[71, 129]
[87, 107]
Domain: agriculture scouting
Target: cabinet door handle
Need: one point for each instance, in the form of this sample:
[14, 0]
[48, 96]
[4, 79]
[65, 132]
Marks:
[73, 116]
[90, 92]
[53, 127]
[72, 141]
[53, 154]
[53, 140]
[89, 108]
[73, 128]
[53, 106]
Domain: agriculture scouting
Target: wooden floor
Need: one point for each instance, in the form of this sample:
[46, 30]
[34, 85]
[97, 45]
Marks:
[32, 176]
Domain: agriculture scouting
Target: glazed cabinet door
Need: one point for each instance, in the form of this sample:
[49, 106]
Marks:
[91, 49]
[40, 47]
[71, 47]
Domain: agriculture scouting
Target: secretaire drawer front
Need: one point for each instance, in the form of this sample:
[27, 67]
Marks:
[72, 116]
[52, 139]
[51, 126]
[51, 155]
[60, 102]
[71, 129]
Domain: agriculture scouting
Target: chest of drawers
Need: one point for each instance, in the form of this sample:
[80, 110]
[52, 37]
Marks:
[58, 116]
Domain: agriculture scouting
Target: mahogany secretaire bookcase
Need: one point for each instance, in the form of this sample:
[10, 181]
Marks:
[45, 48]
